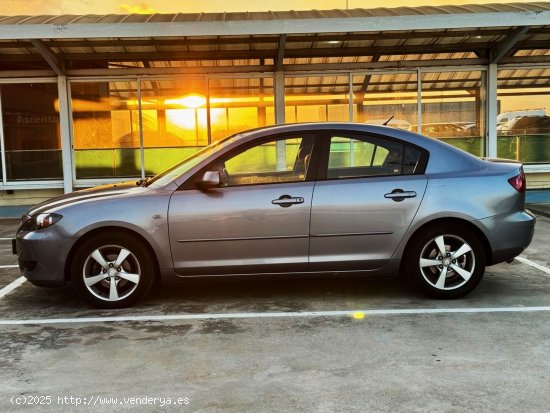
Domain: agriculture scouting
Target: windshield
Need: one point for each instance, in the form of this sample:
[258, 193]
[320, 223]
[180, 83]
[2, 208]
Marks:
[179, 169]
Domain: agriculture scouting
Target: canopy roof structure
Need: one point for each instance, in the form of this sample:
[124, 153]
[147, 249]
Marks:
[268, 41]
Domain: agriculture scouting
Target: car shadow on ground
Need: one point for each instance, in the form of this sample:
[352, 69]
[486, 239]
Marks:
[220, 295]
[261, 295]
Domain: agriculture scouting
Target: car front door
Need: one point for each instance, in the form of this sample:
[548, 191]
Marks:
[368, 193]
[256, 221]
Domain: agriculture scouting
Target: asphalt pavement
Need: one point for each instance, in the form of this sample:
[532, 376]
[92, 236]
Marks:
[308, 345]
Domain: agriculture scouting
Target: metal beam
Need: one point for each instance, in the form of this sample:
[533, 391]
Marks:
[267, 69]
[256, 53]
[50, 57]
[273, 39]
[502, 48]
[404, 64]
[115, 56]
[485, 18]
[289, 53]
[202, 70]
[25, 73]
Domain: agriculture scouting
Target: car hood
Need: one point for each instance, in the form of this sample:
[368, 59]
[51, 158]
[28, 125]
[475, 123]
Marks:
[100, 192]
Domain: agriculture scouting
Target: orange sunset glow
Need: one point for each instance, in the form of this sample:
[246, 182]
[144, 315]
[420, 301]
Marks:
[39, 7]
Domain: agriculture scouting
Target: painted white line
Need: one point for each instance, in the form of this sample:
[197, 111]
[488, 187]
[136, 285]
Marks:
[533, 264]
[6, 239]
[12, 286]
[9, 266]
[298, 314]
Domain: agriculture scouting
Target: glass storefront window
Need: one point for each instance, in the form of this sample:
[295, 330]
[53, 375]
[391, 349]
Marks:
[32, 143]
[453, 109]
[105, 129]
[238, 104]
[523, 121]
[174, 121]
[317, 99]
[388, 97]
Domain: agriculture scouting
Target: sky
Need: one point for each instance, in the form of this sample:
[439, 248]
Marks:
[39, 7]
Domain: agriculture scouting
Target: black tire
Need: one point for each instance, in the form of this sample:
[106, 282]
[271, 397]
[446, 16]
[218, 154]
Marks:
[451, 275]
[133, 276]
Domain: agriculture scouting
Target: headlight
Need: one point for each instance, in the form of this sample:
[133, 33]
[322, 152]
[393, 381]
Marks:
[39, 221]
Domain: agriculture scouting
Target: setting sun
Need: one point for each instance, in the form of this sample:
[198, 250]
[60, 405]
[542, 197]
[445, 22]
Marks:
[190, 101]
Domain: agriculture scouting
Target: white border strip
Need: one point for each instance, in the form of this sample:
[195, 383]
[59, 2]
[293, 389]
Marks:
[298, 314]
[12, 286]
[9, 266]
[533, 264]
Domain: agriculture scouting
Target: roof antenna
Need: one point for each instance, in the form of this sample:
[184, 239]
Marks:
[388, 121]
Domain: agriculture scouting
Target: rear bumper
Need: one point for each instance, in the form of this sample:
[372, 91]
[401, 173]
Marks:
[508, 234]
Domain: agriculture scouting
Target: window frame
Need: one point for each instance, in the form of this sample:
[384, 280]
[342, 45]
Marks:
[312, 172]
[322, 169]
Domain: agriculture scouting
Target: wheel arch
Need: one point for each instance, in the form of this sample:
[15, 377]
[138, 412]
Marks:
[112, 228]
[442, 221]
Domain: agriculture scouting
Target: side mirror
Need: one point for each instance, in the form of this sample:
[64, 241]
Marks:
[210, 179]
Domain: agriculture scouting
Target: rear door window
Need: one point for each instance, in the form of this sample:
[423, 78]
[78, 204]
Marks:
[362, 156]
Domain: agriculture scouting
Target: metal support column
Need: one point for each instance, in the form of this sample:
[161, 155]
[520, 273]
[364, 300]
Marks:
[2, 147]
[280, 148]
[65, 130]
[140, 118]
[491, 134]
[350, 90]
[418, 101]
[279, 80]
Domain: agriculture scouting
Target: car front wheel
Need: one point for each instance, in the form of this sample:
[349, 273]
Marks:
[447, 261]
[112, 270]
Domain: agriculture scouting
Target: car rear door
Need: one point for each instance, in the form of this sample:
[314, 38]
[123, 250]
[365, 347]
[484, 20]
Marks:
[369, 191]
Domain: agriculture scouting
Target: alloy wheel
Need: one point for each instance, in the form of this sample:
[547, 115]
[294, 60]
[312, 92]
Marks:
[447, 262]
[111, 273]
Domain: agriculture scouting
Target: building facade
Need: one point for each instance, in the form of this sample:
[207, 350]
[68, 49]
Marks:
[88, 100]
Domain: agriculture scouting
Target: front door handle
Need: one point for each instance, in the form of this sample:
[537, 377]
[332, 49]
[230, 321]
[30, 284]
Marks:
[399, 195]
[286, 200]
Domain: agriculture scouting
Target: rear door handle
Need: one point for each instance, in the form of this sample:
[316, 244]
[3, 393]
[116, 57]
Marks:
[286, 200]
[399, 195]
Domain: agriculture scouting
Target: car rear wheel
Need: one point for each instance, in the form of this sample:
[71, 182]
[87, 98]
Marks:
[447, 261]
[112, 270]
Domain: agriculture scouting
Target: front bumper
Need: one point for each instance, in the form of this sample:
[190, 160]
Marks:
[42, 256]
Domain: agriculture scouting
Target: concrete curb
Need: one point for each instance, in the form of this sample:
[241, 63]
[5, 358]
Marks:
[540, 210]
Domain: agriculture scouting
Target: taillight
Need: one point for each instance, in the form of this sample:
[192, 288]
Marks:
[518, 182]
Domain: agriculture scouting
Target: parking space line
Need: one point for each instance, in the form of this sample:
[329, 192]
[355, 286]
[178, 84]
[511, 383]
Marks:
[533, 264]
[6, 239]
[12, 286]
[9, 266]
[358, 314]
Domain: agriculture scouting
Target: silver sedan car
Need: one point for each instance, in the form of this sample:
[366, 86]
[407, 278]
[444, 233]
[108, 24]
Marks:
[324, 198]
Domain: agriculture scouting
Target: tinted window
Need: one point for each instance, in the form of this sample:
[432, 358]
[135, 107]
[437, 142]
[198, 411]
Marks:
[370, 156]
[282, 160]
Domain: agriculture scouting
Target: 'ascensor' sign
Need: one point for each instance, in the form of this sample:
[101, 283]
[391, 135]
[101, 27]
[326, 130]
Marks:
[33, 120]
[26, 118]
